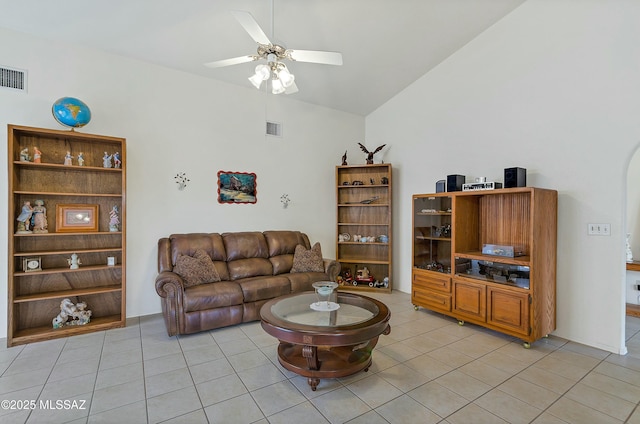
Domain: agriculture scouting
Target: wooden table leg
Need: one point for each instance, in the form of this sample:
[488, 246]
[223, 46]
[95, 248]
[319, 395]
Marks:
[313, 382]
[311, 354]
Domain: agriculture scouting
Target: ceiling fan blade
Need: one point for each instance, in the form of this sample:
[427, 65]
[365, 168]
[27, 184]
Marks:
[229, 62]
[327, 58]
[293, 88]
[250, 25]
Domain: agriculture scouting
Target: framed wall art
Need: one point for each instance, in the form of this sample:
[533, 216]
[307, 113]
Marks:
[237, 187]
[72, 218]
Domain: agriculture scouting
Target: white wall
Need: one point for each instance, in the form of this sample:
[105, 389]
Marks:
[553, 88]
[174, 122]
[633, 226]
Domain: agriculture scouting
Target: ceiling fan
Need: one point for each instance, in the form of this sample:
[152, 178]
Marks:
[282, 81]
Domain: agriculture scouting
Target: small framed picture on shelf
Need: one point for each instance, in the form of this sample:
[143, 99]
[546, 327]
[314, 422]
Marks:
[31, 264]
[72, 218]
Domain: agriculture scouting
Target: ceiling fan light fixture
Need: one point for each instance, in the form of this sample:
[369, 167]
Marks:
[286, 77]
[277, 87]
[262, 73]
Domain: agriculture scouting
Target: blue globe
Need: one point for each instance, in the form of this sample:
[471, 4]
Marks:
[71, 112]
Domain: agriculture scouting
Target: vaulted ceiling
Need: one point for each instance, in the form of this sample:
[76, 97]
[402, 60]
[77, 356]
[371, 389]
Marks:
[386, 44]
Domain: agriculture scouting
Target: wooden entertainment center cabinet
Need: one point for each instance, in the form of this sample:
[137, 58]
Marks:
[488, 257]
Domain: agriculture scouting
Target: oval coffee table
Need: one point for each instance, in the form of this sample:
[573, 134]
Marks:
[325, 343]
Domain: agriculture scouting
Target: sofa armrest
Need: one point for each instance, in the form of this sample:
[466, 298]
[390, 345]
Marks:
[170, 288]
[168, 284]
[332, 268]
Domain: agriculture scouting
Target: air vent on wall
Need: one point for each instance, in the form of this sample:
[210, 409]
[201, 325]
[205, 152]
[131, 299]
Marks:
[275, 129]
[15, 79]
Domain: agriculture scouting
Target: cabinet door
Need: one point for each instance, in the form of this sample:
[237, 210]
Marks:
[508, 310]
[470, 300]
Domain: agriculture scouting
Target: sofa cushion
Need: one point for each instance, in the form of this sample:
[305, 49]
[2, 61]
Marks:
[196, 269]
[245, 245]
[187, 244]
[282, 245]
[308, 260]
[252, 267]
[281, 264]
[260, 288]
[210, 296]
[302, 281]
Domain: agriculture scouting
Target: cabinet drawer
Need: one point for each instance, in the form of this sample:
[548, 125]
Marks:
[431, 300]
[441, 283]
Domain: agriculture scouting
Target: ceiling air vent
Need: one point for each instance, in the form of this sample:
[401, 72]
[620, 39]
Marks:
[15, 79]
[275, 129]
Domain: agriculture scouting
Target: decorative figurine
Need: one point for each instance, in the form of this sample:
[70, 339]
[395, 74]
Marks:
[24, 218]
[114, 221]
[370, 154]
[116, 160]
[39, 217]
[80, 159]
[24, 155]
[344, 158]
[68, 159]
[37, 155]
[629, 252]
[74, 262]
[71, 314]
[106, 160]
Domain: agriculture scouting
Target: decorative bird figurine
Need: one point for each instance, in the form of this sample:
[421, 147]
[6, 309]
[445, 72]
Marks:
[370, 154]
[344, 158]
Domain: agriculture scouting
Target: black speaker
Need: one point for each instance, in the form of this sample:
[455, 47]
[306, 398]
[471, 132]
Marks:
[454, 182]
[515, 177]
[440, 186]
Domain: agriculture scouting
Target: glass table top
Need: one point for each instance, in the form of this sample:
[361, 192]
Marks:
[299, 310]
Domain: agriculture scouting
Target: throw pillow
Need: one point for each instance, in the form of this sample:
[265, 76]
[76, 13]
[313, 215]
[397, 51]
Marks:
[196, 269]
[308, 260]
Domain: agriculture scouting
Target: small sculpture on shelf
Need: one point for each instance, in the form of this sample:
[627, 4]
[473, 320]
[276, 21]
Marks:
[114, 220]
[68, 159]
[24, 155]
[80, 159]
[39, 217]
[24, 219]
[106, 160]
[71, 314]
[37, 155]
[364, 276]
[117, 163]
[74, 261]
[370, 154]
[344, 159]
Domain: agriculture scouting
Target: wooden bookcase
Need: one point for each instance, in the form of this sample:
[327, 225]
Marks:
[35, 296]
[451, 274]
[363, 194]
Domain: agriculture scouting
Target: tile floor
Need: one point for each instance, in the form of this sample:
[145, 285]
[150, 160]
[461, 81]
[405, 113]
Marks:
[428, 370]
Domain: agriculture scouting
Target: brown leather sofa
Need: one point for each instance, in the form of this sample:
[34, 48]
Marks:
[253, 267]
